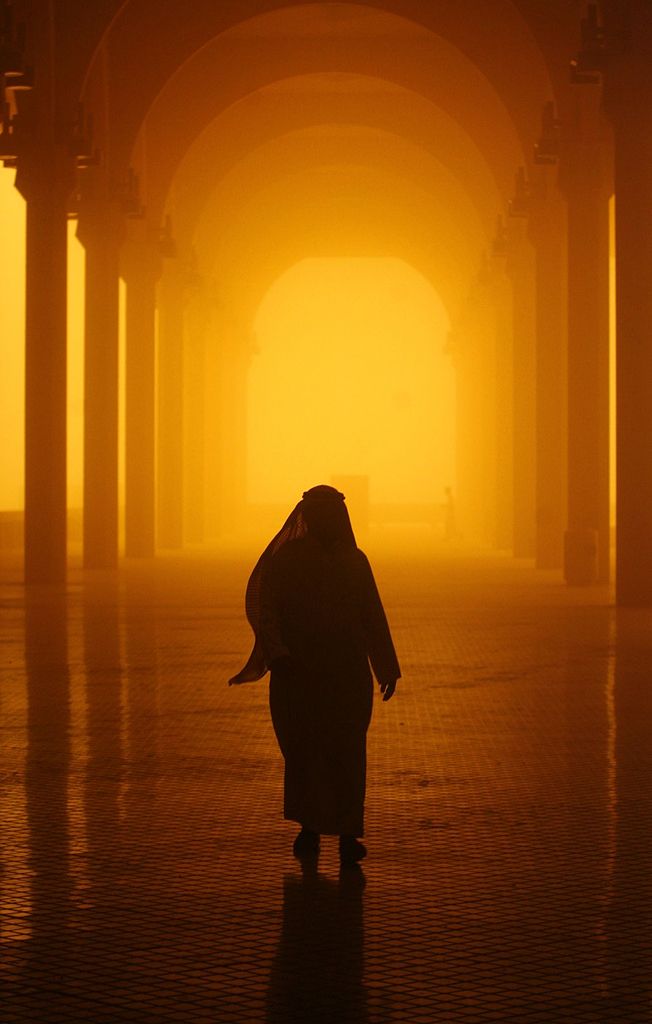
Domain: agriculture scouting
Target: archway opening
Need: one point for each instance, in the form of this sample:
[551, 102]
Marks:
[351, 381]
[12, 379]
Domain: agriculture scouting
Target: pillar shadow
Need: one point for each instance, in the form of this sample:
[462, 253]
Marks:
[609, 760]
[628, 900]
[47, 768]
[142, 714]
[317, 974]
[103, 695]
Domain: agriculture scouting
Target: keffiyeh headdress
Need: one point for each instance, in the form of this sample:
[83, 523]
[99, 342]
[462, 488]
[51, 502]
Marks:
[295, 526]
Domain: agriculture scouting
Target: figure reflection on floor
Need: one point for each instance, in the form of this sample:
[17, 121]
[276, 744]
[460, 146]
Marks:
[317, 974]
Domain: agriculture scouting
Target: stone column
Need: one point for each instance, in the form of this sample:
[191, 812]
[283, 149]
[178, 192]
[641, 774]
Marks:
[100, 231]
[504, 465]
[473, 345]
[169, 486]
[547, 231]
[235, 344]
[458, 346]
[213, 430]
[486, 403]
[198, 316]
[520, 267]
[45, 179]
[141, 268]
[629, 99]
[586, 182]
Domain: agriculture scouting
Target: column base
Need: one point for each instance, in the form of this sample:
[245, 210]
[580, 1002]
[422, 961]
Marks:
[141, 551]
[550, 545]
[581, 557]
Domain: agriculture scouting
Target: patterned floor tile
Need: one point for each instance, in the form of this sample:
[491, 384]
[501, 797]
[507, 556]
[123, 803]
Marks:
[146, 873]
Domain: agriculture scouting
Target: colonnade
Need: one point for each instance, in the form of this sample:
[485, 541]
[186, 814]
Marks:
[141, 269]
[546, 285]
[628, 100]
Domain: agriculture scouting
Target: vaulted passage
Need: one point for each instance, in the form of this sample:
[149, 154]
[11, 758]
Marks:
[262, 137]
[402, 249]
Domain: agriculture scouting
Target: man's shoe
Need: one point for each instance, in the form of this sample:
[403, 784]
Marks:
[351, 850]
[306, 844]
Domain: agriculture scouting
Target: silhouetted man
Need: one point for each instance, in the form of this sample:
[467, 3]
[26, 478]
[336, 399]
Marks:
[319, 621]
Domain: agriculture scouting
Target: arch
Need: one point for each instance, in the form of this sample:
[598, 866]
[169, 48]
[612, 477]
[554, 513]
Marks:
[519, 29]
[305, 102]
[245, 244]
[242, 251]
[330, 146]
[241, 60]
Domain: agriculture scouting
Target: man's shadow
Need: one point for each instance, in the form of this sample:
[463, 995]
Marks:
[317, 973]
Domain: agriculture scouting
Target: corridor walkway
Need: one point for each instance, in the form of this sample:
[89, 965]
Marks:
[146, 870]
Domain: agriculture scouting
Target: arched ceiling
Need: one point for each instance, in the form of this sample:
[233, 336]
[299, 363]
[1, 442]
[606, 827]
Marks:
[328, 146]
[522, 46]
[147, 42]
[291, 105]
[288, 43]
[334, 211]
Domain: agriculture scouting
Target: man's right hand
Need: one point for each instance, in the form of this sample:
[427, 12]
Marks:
[387, 689]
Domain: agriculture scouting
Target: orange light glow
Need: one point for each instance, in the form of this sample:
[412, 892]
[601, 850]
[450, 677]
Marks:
[12, 329]
[76, 274]
[350, 376]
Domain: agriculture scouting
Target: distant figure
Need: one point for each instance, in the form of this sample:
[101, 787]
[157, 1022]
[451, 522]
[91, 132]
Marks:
[449, 515]
[318, 620]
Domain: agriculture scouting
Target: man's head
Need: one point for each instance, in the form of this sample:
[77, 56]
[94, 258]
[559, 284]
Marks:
[326, 515]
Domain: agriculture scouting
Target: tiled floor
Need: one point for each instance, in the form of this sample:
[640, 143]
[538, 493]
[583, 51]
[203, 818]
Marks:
[147, 873]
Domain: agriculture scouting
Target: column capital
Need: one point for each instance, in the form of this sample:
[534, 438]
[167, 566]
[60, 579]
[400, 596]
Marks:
[43, 169]
[518, 247]
[173, 281]
[140, 256]
[586, 160]
[546, 210]
[628, 69]
[101, 220]
[198, 314]
[180, 279]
